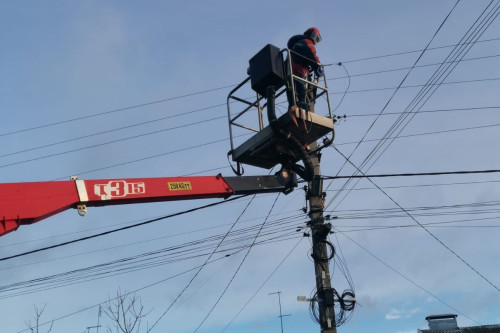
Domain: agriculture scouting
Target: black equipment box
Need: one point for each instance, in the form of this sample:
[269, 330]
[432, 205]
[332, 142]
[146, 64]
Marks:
[266, 69]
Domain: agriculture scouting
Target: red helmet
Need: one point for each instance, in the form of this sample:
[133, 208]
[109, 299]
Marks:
[313, 34]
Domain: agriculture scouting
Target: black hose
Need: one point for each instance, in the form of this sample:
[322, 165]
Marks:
[306, 171]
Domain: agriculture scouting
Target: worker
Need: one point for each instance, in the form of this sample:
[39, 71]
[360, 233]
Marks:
[304, 63]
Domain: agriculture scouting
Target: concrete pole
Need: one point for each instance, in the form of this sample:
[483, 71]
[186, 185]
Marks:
[319, 233]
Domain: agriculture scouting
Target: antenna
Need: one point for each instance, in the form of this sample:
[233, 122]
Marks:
[281, 315]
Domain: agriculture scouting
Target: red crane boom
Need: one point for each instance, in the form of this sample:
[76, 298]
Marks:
[27, 203]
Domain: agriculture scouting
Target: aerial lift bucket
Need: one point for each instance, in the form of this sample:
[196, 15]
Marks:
[267, 146]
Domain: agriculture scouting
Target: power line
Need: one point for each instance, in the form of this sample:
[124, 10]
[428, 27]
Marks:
[115, 110]
[422, 226]
[416, 51]
[173, 254]
[118, 129]
[421, 185]
[201, 267]
[463, 172]
[427, 111]
[262, 285]
[240, 265]
[108, 142]
[426, 92]
[121, 229]
[404, 68]
[215, 89]
[415, 86]
[425, 133]
[392, 97]
[131, 292]
[148, 157]
[197, 123]
[406, 278]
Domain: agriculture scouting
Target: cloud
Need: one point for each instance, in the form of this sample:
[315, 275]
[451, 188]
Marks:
[398, 314]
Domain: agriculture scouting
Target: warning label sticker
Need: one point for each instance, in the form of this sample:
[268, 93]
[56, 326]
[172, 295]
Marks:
[179, 186]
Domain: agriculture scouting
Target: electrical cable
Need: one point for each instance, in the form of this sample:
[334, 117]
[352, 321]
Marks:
[407, 278]
[187, 125]
[415, 86]
[117, 129]
[115, 110]
[121, 229]
[439, 75]
[202, 266]
[128, 293]
[463, 172]
[149, 157]
[171, 254]
[421, 185]
[405, 68]
[239, 267]
[425, 92]
[425, 133]
[112, 269]
[109, 142]
[417, 51]
[424, 228]
[347, 89]
[262, 284]
[481, 108]
[393, 94]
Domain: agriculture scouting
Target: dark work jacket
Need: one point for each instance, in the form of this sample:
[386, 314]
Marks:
[305, 59]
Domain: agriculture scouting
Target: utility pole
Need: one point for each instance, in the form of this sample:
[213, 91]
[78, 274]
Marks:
[281, 315]
[320, 231]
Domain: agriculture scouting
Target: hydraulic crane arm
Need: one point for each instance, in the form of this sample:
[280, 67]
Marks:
[26, 203]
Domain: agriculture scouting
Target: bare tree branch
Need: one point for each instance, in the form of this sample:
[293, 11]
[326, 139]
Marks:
[126, 313]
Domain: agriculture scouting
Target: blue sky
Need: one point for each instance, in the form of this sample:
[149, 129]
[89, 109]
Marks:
[72, 74]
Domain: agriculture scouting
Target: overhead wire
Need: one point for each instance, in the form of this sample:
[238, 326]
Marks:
[426, 92]
[288, 221]
[479, 108]
[405, 68]
[120, 229]
[460, 172]
[417, 51]
[110, 142]
[425, 133]
[407, 278]
[216, 89]
[114, 111]
[421, 185]
[125, 294]
[261, 286]
[196, 274]
[239, 267]
[149, 157]
[394, 94]
[171, 254]
[96, 145]
[438, 78]
[425, 229]
[117, 129]
[218, 105]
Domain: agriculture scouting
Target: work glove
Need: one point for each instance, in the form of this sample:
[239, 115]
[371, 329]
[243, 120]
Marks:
[319, 71]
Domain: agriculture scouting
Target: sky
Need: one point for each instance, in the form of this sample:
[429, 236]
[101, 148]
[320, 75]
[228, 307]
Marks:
[117, 89]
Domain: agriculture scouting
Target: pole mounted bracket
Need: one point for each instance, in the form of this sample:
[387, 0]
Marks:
[321, 230]
[82, 195]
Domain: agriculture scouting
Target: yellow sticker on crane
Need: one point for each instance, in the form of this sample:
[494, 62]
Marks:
[179, 186]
